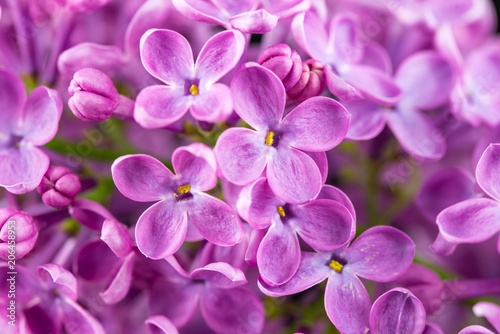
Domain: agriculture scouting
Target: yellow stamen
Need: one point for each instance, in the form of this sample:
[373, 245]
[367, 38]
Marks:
[269, 138]
[184, 189]
[281, 211]
[194, 90]
[18, 144]
[336, 266]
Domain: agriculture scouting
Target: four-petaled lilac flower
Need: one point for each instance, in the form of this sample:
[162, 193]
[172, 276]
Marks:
[380, 254]
[24, 125]
[316, 125]
[167, 56]
[325, 223]
[184, 211]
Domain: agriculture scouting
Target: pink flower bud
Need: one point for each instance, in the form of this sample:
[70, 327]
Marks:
[312, 81]
[59, 187]
[284, 62]
[18, 234]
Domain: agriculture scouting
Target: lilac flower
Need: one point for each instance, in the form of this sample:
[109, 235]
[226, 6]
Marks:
[18, 234]
[159, 324]
[425, 88]
[183, 210]
[490, 311]
[277, 145]
[476, 219]
[241, 15]
[381, 254]
[226, 306]
[397, 311]
[311, 82]
[354, 68]
[59, 187]
[46, 302]
[167, 56]
[24, 125]
[325, 223]
[284, 62]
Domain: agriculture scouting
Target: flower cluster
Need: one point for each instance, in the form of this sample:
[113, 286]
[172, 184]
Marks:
[224, 166]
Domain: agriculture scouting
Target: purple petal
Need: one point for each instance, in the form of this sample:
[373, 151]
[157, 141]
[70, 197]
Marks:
[426, 79]
[333, 193]
[232, 311]
[116, 236]
[367, 119]
[347, 46]
[27, 285]
[41, 116]
[77, 320]
[57, 277]
[340, 88]
[381, 254]
[161, 230]
[443, 247]
[416, 134]
[196, 165]
[214, 104]
[167, 56]
[159, 106]
[254, 22]
[323, 224]
[293, 175]
[89, 213]
[490, 311]
[470, 221]
[159, 324]
[322, 162]
[219, 55]
[256, 237]
[201, 11]
[42, 318]
[488, 171]
[142, 178]
[259, 96]
[12, 98]
[278, 256]
[215, 220]
[118, 288]
[347, 303]
[318, 124]
[310, 33]
[22, 169]
[398, 311]
[241, 155]
[475, 329]
[220, 275]
[312, 270]
[95, 261]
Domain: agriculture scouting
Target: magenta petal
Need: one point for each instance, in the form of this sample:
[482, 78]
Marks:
[367, 119]
[118, 288]
[259, 96]
[278, 256]
[232, 311]
[256, 237]
[27, 284]
[310, 33]
[347, 303]
[313, 269]
[318, 124]
[331, 192]
[443, 247]
[254, 22]
[106, 58]
[161, 229]
[488, 171]
[293, 175]
[490, 311]
[470, 221]
[347, 46]
[340, 88]
[22, 169]
[214, 104]
[41, 318]
[12, 98]
[159, 106]
[141, 177]
[381, 254]
[215, 220]
[416, 134]
[167, 56]
[398, 311]
[89, 213]
[323, 224]
[475, 329]
[426, 79]
[241, 155]
[116, 236]
[78, 320]
[220, 275]
[95, 261]
[196, 165]
[159, 324]
[57, 277]
[219, 55]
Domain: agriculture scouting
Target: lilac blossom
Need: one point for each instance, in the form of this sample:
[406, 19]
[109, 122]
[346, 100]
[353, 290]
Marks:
[325, 223]
[18, 234]
[59, 187]
[276, 145]
[311, 83]
[25, 123]
[284, 62]
[167, 56]
[183, 210]
[381, 254]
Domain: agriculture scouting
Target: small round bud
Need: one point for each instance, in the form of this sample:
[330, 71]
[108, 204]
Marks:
[18, 234]
[59, 187]
[284, 62]
[312, 81]
[93, 95]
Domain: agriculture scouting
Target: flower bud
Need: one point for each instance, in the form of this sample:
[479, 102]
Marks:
[18, 234]
[284, 62]
[59, 187]
[93, 95]
[312, 81]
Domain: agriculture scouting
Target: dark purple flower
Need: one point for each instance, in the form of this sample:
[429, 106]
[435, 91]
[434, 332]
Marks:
[183, 210]
[18, 234]
[25, 123]
[276, 145]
